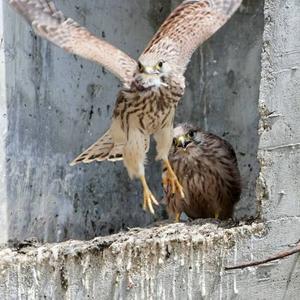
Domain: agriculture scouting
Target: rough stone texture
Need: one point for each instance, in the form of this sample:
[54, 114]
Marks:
[58, 104]
[171, 262]
[3, 132]
[179, 261]
[280, 110]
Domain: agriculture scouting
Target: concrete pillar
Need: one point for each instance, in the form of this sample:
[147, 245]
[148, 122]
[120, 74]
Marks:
[3, 132]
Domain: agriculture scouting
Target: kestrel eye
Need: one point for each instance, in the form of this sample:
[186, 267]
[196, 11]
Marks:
[140, 66]
[174, 141]
[160, 64]
[191, 133]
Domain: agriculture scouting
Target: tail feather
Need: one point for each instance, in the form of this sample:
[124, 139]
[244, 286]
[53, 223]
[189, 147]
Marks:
[103, 149]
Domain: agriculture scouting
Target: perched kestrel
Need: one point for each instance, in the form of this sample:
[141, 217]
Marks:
[207, 168]
[152, 86]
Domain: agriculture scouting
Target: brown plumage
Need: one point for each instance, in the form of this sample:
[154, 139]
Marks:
[152, 87]
[207, 168]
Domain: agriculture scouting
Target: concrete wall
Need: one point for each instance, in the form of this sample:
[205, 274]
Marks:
[3, 132]
[186, 261]
[59, 104]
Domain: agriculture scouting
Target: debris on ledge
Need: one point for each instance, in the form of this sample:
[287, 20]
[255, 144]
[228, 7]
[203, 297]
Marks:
[138, 264]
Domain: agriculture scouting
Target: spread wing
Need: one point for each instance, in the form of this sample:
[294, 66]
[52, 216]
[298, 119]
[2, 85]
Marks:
[188, 26]
[51, 24]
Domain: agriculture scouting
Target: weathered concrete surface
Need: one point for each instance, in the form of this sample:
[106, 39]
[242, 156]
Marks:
[179, 261]
[172, 262]
[59, 104]
[279, 147]
[3, 131]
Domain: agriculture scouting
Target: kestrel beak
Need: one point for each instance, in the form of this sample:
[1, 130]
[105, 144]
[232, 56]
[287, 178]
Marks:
[182, 141]
[150, 71]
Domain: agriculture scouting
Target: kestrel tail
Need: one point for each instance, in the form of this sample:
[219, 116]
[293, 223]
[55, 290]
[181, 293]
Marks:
[206, 165]
[152, 87]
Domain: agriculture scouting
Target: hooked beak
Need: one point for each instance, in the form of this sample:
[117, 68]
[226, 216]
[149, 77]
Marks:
[182, 141]
[150, 71]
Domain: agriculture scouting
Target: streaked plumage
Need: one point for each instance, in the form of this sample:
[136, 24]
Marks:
[207, 168]
[152, 87]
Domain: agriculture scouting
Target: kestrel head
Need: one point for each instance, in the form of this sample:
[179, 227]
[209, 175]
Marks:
[152, 72]
[190, 142]
[185, 135]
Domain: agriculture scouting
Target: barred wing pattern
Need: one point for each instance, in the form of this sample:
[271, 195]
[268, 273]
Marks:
[188, 26]
[51, 24]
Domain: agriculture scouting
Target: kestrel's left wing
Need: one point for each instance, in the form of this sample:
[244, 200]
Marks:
[188, 26]
[51, 24]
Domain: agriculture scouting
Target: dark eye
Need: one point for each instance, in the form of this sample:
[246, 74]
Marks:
[160, 64]
[174, 141]
[140, 66]
[191, 133]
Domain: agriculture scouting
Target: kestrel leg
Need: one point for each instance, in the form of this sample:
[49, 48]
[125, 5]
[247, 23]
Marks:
[163, 140]
[148, 197]
[134, 157]
[177, 217]
[172, 179]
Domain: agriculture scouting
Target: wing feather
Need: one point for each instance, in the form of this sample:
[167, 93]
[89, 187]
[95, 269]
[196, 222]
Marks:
[188, 26]
[104, 149]
[51, 24]
[99, 151]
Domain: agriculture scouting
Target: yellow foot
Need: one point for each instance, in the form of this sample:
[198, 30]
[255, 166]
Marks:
[217, 215]
[172, 180]
[177, 217]
[148, 197]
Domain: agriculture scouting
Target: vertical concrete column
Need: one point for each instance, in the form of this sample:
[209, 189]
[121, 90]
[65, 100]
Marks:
[279, 148]
[3, 131]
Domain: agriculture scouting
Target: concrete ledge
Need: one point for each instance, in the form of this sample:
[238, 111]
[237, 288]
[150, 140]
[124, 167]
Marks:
[176, 261]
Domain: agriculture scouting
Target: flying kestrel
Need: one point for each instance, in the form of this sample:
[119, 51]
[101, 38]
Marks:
[152, 86]
[207, 168]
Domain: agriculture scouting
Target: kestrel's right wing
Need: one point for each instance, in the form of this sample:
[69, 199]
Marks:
[188, 26]
[51, 24]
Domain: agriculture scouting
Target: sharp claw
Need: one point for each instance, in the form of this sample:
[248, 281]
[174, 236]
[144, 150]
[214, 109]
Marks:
[150, 206]
[181, 192]
[154, 200]
[172, 180]
[148, 197]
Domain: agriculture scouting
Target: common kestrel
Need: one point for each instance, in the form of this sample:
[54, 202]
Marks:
[152, 86]
[207, 168]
